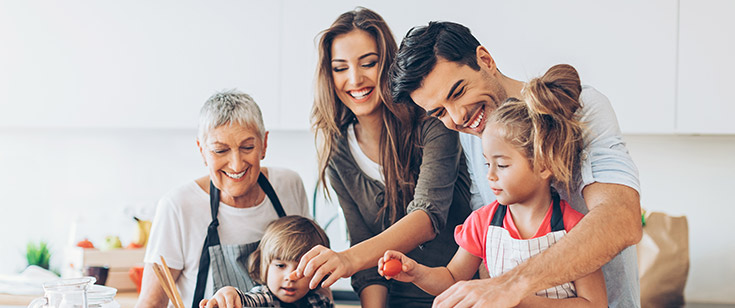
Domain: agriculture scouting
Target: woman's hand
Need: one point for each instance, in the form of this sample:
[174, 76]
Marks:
[226, 297]
[322, 263]
[409, 267]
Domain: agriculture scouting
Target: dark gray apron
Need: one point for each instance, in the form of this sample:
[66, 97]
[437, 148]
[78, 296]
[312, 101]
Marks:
[229, 262]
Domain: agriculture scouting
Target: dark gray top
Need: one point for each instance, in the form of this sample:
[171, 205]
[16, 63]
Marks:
[442, 191]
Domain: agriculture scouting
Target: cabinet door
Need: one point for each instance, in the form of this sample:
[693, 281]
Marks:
[626, 49]
[144, 64]
[706, 65]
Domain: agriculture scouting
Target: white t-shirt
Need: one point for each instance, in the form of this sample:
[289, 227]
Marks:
[369, 167]
[182, 216]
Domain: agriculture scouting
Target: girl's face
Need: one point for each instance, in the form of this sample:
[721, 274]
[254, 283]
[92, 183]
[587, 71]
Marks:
[355, 62]
[232, 154]
[277, 280]
[511, 176]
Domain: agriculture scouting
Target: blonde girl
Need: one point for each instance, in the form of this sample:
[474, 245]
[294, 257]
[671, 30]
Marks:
[529, 145]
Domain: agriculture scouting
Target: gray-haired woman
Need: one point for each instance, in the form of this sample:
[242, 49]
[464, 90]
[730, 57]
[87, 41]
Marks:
[206, 228]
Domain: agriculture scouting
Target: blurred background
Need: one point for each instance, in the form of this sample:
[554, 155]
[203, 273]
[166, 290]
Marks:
[99, 102]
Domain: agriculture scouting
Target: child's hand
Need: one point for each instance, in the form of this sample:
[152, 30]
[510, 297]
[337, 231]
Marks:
[226, 297]
[408, 266]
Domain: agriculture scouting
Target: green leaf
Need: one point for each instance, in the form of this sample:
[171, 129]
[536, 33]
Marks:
[38, 254]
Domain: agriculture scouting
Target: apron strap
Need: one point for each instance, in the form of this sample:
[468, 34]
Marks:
[499, 215]
[265, 185]
[557, 223]
[212, 238]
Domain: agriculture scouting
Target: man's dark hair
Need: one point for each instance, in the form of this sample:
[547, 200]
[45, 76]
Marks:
[419, 51]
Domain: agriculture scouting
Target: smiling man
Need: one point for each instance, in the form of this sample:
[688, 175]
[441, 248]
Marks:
[444, 69]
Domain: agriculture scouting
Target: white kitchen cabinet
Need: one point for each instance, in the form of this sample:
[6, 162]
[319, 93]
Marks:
[141, 64]
[706, 65]
[152, 64]
[626, 49]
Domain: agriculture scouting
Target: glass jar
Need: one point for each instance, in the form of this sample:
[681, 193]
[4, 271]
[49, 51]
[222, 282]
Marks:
[64, 293]
[101, 297]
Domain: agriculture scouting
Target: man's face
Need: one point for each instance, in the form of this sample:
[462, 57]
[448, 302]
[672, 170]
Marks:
[461, 97]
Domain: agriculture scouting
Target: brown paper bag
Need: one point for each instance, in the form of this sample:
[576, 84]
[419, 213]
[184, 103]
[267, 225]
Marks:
[663, 260]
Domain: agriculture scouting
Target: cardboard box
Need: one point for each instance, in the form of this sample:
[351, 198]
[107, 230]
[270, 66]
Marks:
[118, 260]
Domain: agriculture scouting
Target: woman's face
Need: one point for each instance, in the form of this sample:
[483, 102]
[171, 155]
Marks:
[233, 153]
[355, 62]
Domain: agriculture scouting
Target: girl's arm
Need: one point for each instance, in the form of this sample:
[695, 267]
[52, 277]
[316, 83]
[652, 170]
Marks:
[433, 280]
[591, 292]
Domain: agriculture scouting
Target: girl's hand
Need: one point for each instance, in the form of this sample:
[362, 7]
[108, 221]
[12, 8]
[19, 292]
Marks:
[226, 297]
[409, 267]
[322, 263]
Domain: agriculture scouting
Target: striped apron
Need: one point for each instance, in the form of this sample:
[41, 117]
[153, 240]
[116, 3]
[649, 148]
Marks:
[504, 252]
[229, 262]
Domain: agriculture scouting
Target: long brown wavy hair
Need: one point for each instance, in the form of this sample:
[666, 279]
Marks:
[544, 124]
[400, 154]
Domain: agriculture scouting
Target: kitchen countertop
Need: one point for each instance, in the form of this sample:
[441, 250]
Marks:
[128, 300]
[125, 299]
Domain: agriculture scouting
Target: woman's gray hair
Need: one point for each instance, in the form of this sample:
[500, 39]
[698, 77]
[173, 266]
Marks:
[227, 107]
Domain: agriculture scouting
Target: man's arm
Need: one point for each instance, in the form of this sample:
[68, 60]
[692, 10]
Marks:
[612, 224]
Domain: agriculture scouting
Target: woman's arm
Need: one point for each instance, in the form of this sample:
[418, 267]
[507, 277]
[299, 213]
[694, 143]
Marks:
[374, 296]
[427, 214]
[405, 235]
[151, 292]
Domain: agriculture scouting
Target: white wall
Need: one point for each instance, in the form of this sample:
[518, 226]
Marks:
[694, 176]
[98, 103]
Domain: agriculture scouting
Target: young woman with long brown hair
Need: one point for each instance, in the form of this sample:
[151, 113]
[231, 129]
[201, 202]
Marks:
[399, 176]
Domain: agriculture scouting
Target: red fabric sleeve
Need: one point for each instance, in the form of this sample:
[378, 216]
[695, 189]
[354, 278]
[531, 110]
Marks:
[472, 234]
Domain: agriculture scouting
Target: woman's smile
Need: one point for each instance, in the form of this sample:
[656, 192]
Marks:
[361, 95]
[237, 177]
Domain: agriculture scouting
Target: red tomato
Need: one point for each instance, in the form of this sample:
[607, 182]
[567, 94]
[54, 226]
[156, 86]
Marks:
[85, 244]
[392, 267]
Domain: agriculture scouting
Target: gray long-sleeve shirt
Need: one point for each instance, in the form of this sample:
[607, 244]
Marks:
[442, 191]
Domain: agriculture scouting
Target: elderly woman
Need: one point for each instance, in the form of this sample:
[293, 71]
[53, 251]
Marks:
[206, 228]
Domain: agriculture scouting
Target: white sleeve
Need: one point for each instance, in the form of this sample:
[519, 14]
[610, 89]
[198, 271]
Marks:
[605, 157]
[165, 238]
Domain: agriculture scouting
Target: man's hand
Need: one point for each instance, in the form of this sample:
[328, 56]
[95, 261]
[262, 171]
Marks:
[480, 293]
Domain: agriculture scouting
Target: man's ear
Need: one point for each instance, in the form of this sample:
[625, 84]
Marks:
[484, 59]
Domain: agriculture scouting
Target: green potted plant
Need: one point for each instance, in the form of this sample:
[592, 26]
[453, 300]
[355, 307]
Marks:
[38, 254]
